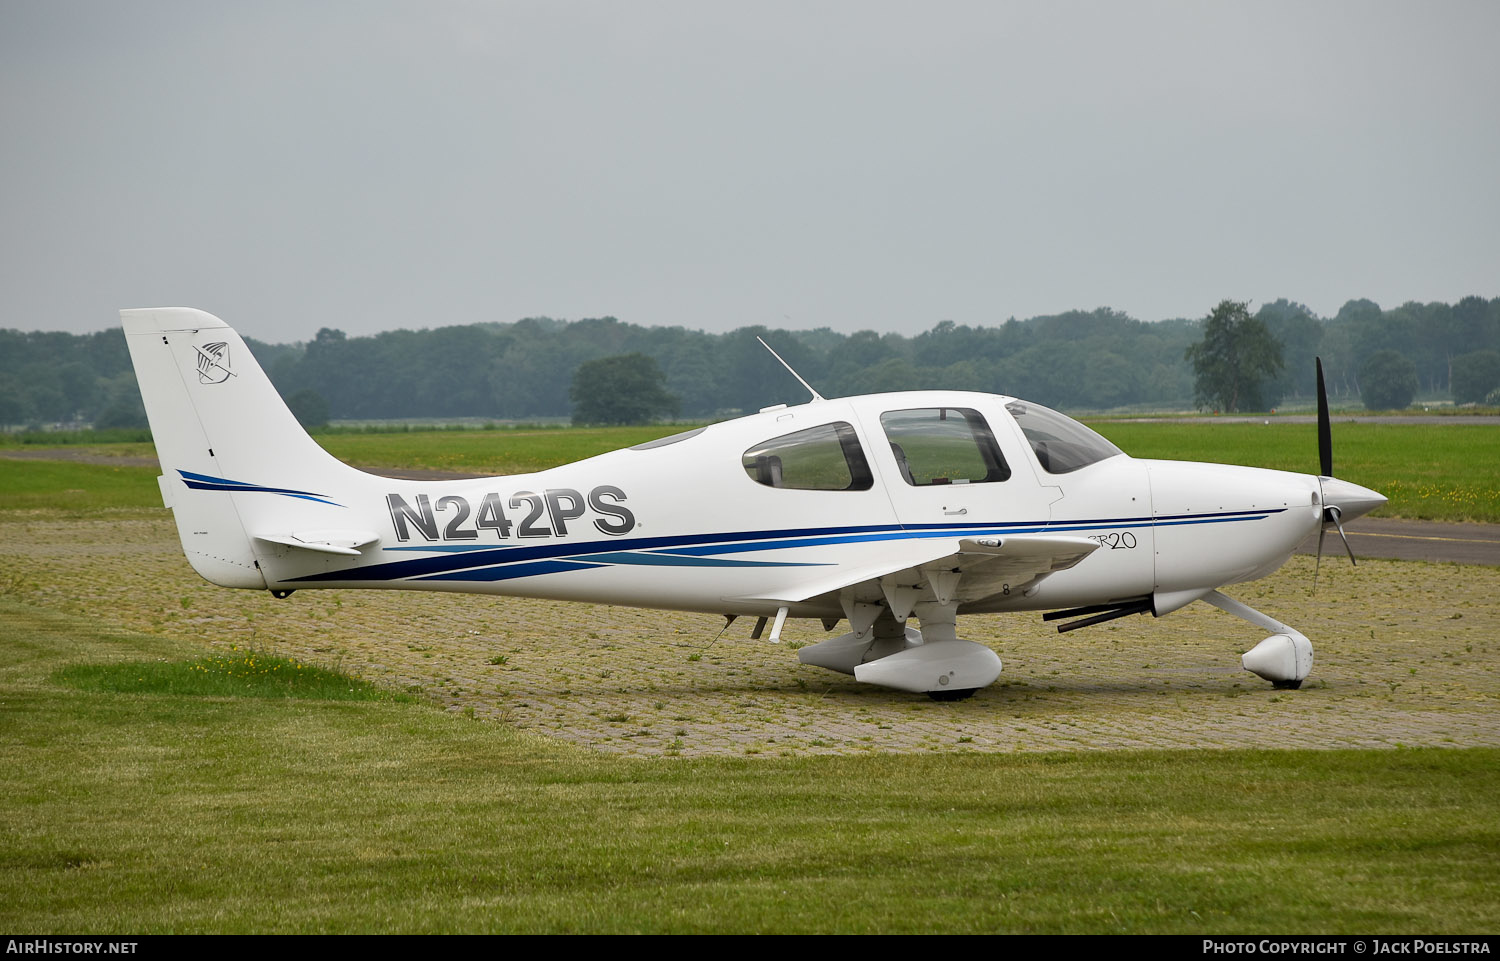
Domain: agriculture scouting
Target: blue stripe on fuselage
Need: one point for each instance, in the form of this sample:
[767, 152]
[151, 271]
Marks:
[510, 571]
[486, 564]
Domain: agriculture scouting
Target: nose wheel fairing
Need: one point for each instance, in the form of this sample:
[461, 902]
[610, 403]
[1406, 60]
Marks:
[1285, 658]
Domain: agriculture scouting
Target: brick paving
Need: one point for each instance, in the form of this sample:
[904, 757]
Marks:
[1407, 654]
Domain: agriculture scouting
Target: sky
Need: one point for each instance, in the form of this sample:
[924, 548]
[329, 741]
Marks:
[372, 165]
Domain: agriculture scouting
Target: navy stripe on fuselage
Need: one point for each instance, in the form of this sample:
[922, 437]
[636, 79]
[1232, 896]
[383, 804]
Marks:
[968, 530]
[505, 555]
[448, 563]
[511, 571]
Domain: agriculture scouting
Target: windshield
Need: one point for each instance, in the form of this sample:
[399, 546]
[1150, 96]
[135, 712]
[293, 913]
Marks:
[1062, 445]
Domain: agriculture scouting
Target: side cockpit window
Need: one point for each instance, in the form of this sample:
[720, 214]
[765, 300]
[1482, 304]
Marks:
[826, 458]
[943, 445]
[1062, 445]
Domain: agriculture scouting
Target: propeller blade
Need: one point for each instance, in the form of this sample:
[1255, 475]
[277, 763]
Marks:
[1318, 564]
[1331, 514]
[1334, 512]
[1325, 429]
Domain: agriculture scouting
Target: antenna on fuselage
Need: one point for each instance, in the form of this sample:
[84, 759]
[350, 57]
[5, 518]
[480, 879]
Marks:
[815, 394]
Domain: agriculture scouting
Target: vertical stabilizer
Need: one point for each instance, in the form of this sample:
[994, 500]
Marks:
[234, 459]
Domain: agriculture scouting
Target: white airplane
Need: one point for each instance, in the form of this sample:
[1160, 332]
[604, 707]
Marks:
[872, 510]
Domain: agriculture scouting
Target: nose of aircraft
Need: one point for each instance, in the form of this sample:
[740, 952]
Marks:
[1351, 500]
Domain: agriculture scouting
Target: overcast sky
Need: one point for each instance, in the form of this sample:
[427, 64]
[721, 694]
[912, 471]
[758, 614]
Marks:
[370, 165]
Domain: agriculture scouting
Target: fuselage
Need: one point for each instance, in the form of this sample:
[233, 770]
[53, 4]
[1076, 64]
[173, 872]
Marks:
[720, 518]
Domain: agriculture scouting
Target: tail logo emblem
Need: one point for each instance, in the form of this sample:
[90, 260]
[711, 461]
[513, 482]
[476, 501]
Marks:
[213, 363]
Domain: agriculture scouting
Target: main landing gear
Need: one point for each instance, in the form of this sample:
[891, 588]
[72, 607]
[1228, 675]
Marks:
[882, 650]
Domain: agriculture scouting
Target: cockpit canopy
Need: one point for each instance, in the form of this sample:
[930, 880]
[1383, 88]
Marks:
[931, 446]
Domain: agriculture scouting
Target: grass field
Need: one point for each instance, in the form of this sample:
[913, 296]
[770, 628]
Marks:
[70, 489]
[233, 673]
[191, 811]
[487, 452]
[1443, 472]
[607, 770]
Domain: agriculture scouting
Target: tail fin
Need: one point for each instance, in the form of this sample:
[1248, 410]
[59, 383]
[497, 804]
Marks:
[235, 461]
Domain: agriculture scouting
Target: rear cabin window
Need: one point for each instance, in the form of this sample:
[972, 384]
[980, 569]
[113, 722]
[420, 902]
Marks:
[944, 445]
[826, 458]
[1062, 445]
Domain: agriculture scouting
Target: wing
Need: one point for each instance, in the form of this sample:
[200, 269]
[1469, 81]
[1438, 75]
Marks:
[962, 572]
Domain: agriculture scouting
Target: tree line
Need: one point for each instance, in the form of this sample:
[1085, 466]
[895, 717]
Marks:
[1078, 360]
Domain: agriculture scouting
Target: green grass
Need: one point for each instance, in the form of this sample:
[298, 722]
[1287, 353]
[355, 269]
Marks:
[71, 489]
[158, 811]
[1447, 472]
[71, 438]
[233, 674]
[488, 452]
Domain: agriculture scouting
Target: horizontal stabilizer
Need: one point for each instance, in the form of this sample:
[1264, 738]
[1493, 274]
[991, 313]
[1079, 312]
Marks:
[345, 543]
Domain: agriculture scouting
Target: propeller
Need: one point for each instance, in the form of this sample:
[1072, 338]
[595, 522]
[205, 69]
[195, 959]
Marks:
[1332, 514]
[1325, 427]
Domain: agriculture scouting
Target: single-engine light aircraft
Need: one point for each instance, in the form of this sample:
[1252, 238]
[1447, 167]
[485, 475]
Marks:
[875, 510]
